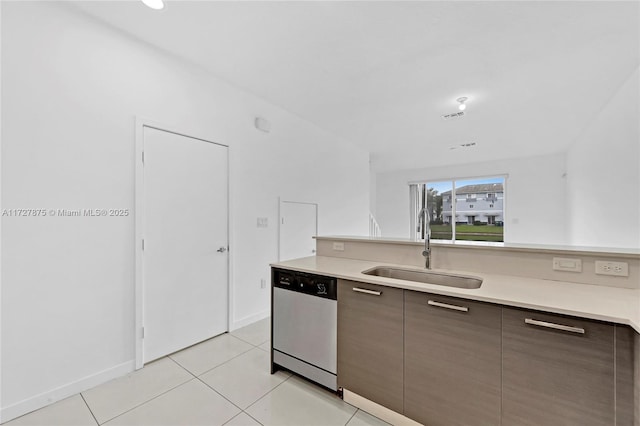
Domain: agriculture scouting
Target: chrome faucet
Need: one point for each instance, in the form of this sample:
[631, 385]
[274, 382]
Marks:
[424, 218]
[426, 231]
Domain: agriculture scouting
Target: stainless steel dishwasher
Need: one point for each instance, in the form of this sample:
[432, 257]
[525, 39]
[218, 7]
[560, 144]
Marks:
[304, 317]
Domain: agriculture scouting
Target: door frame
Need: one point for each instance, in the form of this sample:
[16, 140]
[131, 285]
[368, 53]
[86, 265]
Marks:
[140, 124]
[280, 201]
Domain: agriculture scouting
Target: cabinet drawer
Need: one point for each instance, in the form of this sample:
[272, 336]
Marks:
[370, 344]
[557, 370]
[452, 360]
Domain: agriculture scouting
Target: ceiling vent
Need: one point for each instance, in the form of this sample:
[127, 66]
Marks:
[458, 114]
[464, 145]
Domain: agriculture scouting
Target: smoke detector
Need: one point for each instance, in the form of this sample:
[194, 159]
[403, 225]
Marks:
[262, 124]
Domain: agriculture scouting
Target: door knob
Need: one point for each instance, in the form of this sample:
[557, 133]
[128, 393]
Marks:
[221, 250]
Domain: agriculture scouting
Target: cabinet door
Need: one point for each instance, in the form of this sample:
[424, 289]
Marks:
[625, 368]
[370, 354]
[636, 378]
[553, 376]
[452, 361]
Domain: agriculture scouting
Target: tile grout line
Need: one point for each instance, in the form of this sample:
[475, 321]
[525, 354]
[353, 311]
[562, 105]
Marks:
[246, 341]
[228, 333]
[220, 365]
[278, 385]
[143, 403]
[183, 367]
[193, 376]
[207, 385]
[89, 408]
[256, 420]
[216, 391]
[242, 412]
[352, 416]
[234, 404]
[212, 368]
[274, 388]
[227, 399]
[258, 399]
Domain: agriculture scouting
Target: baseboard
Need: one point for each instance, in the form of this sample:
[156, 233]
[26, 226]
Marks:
[249, 320]
[377, 410]
[38, 401]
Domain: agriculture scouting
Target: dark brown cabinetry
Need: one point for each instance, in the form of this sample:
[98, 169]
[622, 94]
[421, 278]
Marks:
[557, 370]
[627, 376]
[452, 360]
[446, 361]
[370, 342]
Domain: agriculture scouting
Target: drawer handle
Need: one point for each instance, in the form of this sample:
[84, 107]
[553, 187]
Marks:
[546, 324]
[447, 306]
[364, 290]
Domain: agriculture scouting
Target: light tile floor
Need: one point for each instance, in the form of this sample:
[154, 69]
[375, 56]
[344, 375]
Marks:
[222, 381]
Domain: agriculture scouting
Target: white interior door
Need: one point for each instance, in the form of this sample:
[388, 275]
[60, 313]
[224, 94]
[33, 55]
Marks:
[298, 226]
[185, 265]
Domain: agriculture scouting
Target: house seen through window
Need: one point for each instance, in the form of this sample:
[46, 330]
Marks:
[465, 209]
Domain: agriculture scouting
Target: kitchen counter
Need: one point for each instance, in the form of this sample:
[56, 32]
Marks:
[618, 252]
[611, 304]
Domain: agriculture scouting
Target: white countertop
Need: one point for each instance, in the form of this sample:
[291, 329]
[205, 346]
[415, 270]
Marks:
[633, 253]
[617, 305]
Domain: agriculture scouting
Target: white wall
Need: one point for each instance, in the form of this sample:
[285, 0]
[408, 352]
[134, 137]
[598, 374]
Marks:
[603, 174]
[534, 200]
[373, 202]
[71, 90]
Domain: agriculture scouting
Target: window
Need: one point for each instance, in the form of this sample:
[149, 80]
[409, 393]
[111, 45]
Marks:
[461, 209]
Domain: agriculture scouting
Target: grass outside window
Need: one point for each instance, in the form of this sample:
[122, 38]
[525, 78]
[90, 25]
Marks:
[469, 232]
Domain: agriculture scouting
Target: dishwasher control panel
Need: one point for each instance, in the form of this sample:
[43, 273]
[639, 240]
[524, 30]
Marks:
[302, 282]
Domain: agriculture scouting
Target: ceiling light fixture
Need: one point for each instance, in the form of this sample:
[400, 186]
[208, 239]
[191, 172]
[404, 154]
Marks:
[462, 101]
[154, 4]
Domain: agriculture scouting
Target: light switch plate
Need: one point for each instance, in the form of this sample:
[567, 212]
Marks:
[263, 222]
[567, 264]
[338, 246]
[617, 269]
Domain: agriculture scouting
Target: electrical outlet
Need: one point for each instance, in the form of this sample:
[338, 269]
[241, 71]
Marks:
[617, 269]
[566, 264]
[263, 283]
[338, 246]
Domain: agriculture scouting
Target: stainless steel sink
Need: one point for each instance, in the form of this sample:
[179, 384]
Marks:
[427, 277]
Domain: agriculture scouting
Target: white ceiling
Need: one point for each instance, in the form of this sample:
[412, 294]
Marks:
[382, 73]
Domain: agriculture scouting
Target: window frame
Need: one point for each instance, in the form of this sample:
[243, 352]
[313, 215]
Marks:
[454, 199]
